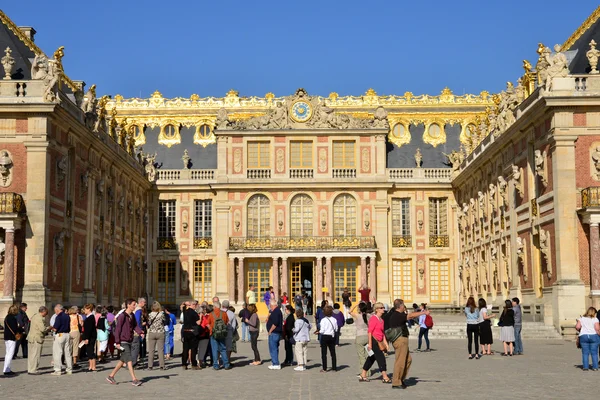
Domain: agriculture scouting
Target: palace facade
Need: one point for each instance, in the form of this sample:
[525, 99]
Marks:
[425, 198]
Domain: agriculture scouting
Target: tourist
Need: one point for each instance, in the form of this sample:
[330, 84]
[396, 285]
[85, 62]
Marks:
[319, 316]
[304, 302]
[507, 330]
[110, 319]
[102, 333]
[254, 328]
[75, 328]
[365, 291]
[361, 322]
[472, 313]
[298, 301]
[301, 337]
[327, 331]
[231, 328]
[267, 297]
[284, 301]
[347, 302]
[485, 328]
[155, 338]
[170, 334]
[204, 337]
[288, 335]
[423, 329]
[138, 346]
[190, 332]
[217, 324]
[89, 336]
[275, 330]
[518, 325]
[23, 322]
[12, 332]
[397, 323]
[341, 321]
[251, 295]
[37, 332]
[589, 329]
[244, 314]
[62, 341]
[126, 326]
[377, 344]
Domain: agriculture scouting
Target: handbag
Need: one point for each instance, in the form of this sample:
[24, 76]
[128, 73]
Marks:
[349, 321]
[18, 335]
[577, 342]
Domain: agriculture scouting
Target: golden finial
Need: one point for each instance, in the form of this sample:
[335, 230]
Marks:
[370, 92]
[446, 91]
[408, 96]
[58, 55]
[113, 112]
[484, 95]
[194, 97]
[157, 95]
[118, 98]
[233, 93]
[333, 96]
[540, 49]
[269, 96]
[527, 66]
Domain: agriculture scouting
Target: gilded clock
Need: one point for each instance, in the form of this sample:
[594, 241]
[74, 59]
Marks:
[301, 111]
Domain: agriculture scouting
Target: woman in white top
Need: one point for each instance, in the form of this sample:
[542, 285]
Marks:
[589, 329]
[328, 328]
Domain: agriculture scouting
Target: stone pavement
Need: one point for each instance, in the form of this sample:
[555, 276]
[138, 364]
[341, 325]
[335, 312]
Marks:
[549, 369]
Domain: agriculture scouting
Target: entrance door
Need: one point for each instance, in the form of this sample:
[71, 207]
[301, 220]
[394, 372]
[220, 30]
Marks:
[301, 278]
[344, 276]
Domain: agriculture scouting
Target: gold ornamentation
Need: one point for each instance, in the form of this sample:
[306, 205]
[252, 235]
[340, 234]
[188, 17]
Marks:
[439, 241]
[401, 241]
[166, 243]
[333, 96]
[399, 131]
[235, 116]
[194, 97]
[270, 96]
[200, 136]
[435, 133]
[202, 242]
[358, 114]
[583, 28]
[534, 208]
[167, 138]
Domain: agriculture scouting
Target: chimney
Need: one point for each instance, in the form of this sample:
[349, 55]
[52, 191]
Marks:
[28, 31]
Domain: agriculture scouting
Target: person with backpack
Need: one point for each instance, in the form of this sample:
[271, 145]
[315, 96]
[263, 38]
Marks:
[217, 325]
[425, 324]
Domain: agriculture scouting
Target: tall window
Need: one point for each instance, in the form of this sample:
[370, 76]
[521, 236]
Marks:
[301, 216]
[203, 280]
[343, 154]
[439, 281]
[344, 216]
[166, 282]
[203, 218]
[259, 216]
[402, 280]
[301, 155]
[166, 218]
[344, 276]
[259, 275]
[401, 217]
[259, 155]
[438, 216]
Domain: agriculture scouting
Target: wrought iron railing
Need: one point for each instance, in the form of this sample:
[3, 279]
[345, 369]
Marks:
[439, 241]
[166, 243]
[11, 203]
[590, 197]
[302, 243]
[202, 242]
[402, 241]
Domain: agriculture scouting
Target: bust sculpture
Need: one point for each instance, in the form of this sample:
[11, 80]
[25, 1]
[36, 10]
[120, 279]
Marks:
[6, 165]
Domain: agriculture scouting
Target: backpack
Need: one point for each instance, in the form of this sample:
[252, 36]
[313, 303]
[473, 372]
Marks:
[219, 331]
[428, 321]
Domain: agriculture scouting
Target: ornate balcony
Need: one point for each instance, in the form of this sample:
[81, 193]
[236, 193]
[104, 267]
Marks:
[166, 243]
[11, 203]
[185, 176]
[439, 241]
[419, 174]
[302, 243]
[202, 242]
[402, 241]
[590, 197]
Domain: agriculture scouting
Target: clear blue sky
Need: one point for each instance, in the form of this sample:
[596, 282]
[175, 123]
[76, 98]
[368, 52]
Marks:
[134, 47]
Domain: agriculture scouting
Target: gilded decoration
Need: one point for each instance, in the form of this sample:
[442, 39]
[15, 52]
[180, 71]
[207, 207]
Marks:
[584, 27]
[302, 243]
[202, 243]
[434, 134]
[301, 111]
[169, 133]
[204, 134]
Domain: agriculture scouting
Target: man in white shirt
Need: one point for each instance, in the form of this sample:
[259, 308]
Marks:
[251, 295]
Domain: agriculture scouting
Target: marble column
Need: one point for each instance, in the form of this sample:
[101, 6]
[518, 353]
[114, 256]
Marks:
[231, 282]
[363, 271]
[9, 263]
[328, 280]
[275, 275]
[318, 286]
[240, 282]
[595, 262]
[373, 277]
[284, 277]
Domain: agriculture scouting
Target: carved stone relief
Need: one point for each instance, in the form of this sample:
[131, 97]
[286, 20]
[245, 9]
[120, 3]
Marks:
[545, 250]
[502, 186]
[421, 272]
[420, 222]
[323, 220]
[367, 219]
[540, 166]
[62, 164]
[521, 257]
[517, 177]
[59, 249]
[365, 160]
[280, 220]
[237, 160]
[6, 166]
[280, 160]
[184, 221]
[595, 159]
[322, 160]
[237, 218]
[184, 276]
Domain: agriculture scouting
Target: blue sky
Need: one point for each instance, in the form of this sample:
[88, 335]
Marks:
[208, 47]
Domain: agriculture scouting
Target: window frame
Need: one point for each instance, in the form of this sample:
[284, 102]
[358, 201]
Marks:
[343, 153]
[263, 153]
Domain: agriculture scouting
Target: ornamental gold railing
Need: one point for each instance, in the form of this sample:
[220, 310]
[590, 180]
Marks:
[11, 203]
[439, 241]
[402, 241]
[202, 242]
[302, 243]
[590, 197]
[166, 243]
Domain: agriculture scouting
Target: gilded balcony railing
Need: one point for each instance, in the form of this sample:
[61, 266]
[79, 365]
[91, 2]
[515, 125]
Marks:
[166, 243]
[302, 243]
[401, 241]
[590, 197]
[202, 242]
[439, 241]
[11, 203]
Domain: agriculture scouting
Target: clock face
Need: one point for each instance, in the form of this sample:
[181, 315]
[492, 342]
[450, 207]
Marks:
[301, 111]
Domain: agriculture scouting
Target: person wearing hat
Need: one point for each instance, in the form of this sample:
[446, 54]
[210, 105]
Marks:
[423, 329]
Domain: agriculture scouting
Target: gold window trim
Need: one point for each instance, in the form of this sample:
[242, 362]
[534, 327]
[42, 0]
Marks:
[203, 140]
[169, 141]
[434, 140]
[399, 140]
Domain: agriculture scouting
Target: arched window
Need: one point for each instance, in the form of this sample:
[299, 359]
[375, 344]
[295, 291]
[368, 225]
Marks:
[344, 216]
[170, 131]
[259, 216]
[301, 216]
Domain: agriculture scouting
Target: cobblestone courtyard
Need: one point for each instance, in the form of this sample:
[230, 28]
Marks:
[549, 369]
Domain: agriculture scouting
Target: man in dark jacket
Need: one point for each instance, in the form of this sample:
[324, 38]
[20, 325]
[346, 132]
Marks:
[341, 321]
[23, 322]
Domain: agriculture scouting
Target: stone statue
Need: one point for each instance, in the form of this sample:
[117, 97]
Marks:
[380, 118]
[186, 159]
[89, 100]
[596, 160]
[481, 200]
[59, 243]
[39, 67]
[150, 167]
[50, 80]
[502, 185]
[545, 250]
[539, 158]
[492, 191]
[6, 165]
[100, 188]
[8, 62]
[2, 251]
[520, 248]
[222, 121]
[61, 169]
[592, 56]
[541, 67]
[85, 178]
[418, 158]
[557, 66]
[516, 176]
[278, 118]
[506, 108]
[455, 159]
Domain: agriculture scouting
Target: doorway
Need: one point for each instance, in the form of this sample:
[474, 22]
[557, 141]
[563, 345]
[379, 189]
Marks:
[301, 279]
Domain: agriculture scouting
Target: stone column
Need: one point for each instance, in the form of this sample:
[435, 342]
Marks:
[363, 271]
[595, 263]
[284, 277]
[318, 286]
[373, 276]
[9, 263]
[328, 280]
[240, 282]
[275, 275]
[221, 244]
[231, 280]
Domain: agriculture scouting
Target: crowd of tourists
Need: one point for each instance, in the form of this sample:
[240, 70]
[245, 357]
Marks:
[139, 333]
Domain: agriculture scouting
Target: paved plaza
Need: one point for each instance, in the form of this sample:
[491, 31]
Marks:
[549, 369]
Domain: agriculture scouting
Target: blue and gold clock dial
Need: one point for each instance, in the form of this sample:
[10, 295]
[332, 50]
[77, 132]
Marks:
[301, 111]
